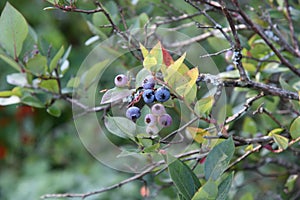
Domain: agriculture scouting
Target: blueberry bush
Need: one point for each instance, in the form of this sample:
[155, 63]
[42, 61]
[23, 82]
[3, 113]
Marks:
[191, 99]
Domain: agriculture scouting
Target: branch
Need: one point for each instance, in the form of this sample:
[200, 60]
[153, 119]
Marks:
[257, 29]
[202, 37]
[72, 8]
[237, 56]
[267, 89]
[291, 26]
[247, 105]
[117, 185]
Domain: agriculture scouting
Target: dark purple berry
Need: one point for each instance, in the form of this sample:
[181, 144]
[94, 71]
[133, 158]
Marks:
[133, 113]
[148, 96]
[121, 80]
[165, 120]
[162, 94]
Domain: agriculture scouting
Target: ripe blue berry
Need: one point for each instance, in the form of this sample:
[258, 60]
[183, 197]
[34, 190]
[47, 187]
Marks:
[165, 120]
[133, 113]
[150, 119]
[158, 109]
[230, 68]
[148, 96]
[149, 82]
[162, 94]
[121, 80]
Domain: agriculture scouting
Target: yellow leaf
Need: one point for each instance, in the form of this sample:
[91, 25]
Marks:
[197, 133]
[173, 68]
[145, 52]
[249, 147]
[149, 62]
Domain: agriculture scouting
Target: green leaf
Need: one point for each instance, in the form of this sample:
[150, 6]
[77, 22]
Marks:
[280, 140]
[54, 110]
[115, 94]
[73, 82]
[208, 191]
[140, 77]
[204, 105]
[32, 101]
[55, 60]
[50, 85]
[18, 79]
[183, 177]
[11, 62]
[224, 187]
[37, 65]
[120, 126]
[93, 73]
[295, 128]
[9, 100]
[13, 29]
[6, 93]
[218, 159]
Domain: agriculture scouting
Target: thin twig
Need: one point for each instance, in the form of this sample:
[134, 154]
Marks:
[291, 26]
[202, 37]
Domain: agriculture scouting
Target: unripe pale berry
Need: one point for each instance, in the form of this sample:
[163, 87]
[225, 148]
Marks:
[133, 113]
[162, 94]
[148, 96]
[149, 82]
[158, 109]
[165, 120]
[150, 119]
[121, 80]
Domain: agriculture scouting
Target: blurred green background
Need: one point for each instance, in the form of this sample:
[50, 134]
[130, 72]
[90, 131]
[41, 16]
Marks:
[41, 154]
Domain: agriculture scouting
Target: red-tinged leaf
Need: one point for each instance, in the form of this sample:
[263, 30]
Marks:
[202, 160]
[269, 147]
[168, 60]
[3, 152]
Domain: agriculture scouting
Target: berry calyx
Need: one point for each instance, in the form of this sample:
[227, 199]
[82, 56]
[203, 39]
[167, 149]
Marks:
[150, 119]
[162, 94]
[165, 120]
[152, 130]
[133, 113]
[149, 82]
[148, 96]
[158, 109]
[121, 80]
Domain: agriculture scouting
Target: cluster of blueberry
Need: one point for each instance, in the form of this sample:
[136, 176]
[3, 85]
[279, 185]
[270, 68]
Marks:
[150, 94]
[158, 116]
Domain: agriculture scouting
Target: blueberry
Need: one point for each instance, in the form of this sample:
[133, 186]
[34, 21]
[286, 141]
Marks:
[152, 130]
[149, 82]
[228, 55]
[230, 68]
[158, 109]
[133, 113]
[165, 120]
[121, 80]
[150, 119]
[162, 94]
[148, 96]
